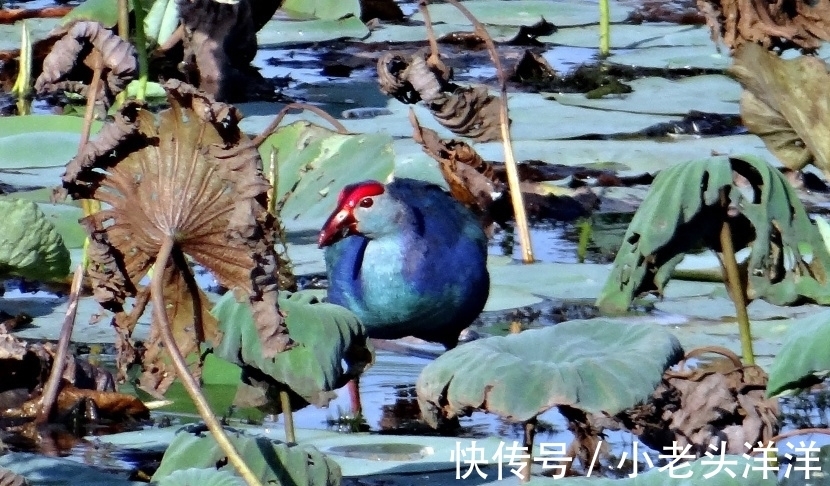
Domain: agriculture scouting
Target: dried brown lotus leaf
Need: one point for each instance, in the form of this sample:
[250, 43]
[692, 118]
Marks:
[786, 24]
[118, 61]
[191, 175]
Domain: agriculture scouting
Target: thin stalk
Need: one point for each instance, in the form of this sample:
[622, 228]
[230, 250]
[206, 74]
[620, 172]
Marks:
[504, 123]
[297, 106]
[50, 389]
[288, 417]
[90, 206]
[124, 19]
[585, 231]
[604, 28]
[530, 434]
[23, 84]
[433, 42]
[273, 178]
[736, 290]
[141, 49]
[213, 425]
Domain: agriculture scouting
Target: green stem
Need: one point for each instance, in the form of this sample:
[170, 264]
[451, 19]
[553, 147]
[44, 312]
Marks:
[288, 417]
[213, 425]
[141, 48]
[736, 290]
[604, 28]
[585, 231]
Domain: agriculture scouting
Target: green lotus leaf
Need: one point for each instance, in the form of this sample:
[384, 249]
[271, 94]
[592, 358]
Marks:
[326, 335]
[162, 20]
[315, 163]
[39, 141]
[745, 470]
[683, 212]
[594, 365]
[802, 360]
[201, 477]
[800, 478]
[30, 246]
[321, 9]
[273, 462]
[102, 11]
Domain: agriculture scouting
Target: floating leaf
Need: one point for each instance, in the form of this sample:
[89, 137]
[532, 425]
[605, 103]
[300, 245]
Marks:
[594, 365]
[326, 336]
[802, 360]
[270, 460]
[785, 103]
[201, 477]
[683, 211]
[321, 9]
[39, 141]
[30, 247]
[192, 176]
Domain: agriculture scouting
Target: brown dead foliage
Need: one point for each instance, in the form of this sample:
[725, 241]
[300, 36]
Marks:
[69, 65]
[722, 403]
[468, 111]
[470, 178]
[193, 176]
[783, 24]
[25, 367]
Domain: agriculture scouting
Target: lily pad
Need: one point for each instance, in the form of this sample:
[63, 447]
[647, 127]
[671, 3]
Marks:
[292, 32]
[102, 11]
[710, 93]
[625, 36]
[321, 9]
[39, 141]
[595, 365]
[201, 477]
[38, 29]
[525, 12]
[58, 471]
[270, 460]
[803, 360]
[315, 163]
[30, 247]
[326, 335]
[683, 57]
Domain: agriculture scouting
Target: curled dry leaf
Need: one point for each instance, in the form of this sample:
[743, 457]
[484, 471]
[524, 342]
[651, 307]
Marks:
[785, 103]
[468, 111]
[786, 24]
[83, 42]
[722, 403]
[470, 178]
[193, 176]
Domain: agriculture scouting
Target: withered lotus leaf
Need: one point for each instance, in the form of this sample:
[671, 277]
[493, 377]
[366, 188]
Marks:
[189, 174]
[118, 58]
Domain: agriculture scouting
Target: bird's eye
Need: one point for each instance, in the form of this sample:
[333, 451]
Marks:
[366, 202]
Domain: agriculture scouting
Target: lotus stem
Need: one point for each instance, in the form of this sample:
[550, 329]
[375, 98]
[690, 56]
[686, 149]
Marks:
[213, 425]
[90, 206]
[50, 389]
[124, 19]
[273, 178]
[530, 434]
[297, 106]
[585, 231]
[433, 42]
[141, 48]
[504, 124]
[604, 28]
[288, 417]
[736, 290]
[23, 84]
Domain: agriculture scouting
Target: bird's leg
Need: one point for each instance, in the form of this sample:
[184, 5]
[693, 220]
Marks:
[354, 395]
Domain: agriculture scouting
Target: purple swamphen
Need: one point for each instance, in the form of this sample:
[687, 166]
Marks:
[407, 259]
